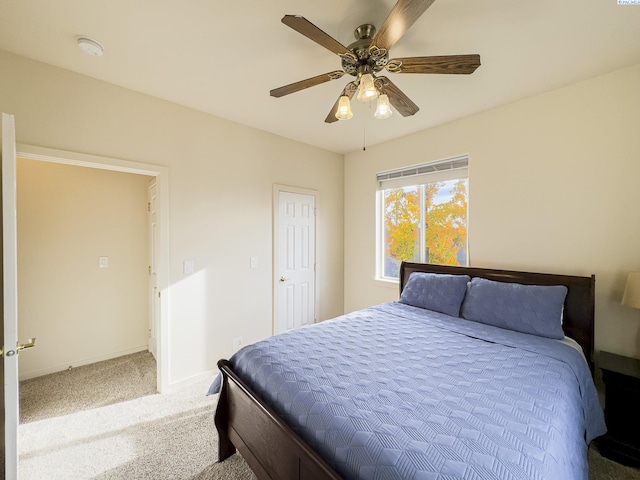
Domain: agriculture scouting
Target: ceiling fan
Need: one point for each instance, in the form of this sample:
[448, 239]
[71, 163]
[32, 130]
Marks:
[368, 55]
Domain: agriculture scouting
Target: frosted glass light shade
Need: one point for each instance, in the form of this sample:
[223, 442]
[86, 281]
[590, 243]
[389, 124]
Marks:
[383, 110]
[631, 297]
[367, 90]
[344, 108]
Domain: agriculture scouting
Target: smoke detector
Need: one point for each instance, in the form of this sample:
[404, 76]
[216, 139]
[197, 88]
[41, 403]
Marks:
[90, 46]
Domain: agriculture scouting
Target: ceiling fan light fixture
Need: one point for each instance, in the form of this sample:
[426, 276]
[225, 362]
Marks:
[368, 55]
[344, 108]
[367, 90]
[383, 109]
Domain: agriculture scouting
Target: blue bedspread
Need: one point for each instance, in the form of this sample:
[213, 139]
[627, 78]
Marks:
[398, 392]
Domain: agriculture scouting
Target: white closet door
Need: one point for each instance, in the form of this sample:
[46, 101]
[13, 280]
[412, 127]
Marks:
[296, 261]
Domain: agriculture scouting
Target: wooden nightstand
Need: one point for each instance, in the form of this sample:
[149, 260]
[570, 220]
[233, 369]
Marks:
[621, 376]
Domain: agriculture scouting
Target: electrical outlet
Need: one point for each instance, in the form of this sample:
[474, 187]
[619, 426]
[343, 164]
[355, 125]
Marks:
[237, 343]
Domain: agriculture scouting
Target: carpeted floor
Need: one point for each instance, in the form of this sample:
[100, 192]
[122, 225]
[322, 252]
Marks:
[103, 421]
[119, 379]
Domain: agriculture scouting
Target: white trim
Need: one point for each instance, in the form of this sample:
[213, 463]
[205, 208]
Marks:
[379, 240]
[388, 282]
[277, 188]
[209, 375]
[153, 260]
[86, 361]
[161, 173]
[84, 160]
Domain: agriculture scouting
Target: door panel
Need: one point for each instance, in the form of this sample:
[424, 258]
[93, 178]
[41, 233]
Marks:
[9, 299]
[295, 274]
[289, 292]
[306, 317]
[290, 247]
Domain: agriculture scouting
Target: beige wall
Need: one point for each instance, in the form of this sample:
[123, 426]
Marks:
[554, 187]
[221, 178]
[68, 217]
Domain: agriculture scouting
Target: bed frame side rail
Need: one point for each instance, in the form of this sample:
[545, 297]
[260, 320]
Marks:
[270, 447]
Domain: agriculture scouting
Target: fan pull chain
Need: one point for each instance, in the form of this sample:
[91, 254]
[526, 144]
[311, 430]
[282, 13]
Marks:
[364, 136]
[364, 131]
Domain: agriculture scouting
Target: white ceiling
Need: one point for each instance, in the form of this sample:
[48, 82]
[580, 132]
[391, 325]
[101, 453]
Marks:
[224, 57]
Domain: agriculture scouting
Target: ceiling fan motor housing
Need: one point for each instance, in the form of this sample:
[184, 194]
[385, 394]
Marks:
[363, 55]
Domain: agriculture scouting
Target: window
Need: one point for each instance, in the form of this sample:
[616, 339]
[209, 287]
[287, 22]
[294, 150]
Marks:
[423, 215]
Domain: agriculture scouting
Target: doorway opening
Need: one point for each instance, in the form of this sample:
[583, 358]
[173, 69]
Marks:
[158, 323]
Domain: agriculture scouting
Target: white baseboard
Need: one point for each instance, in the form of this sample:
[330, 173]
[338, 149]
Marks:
[209, 374]
[79, 363]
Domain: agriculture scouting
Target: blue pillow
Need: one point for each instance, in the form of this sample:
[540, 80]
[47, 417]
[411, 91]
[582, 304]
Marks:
[534, 309]
[438, 292]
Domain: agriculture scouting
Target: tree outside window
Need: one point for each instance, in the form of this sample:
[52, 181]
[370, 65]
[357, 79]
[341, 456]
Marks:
[426, 223]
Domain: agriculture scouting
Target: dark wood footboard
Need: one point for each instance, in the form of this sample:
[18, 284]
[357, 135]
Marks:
[270, 447]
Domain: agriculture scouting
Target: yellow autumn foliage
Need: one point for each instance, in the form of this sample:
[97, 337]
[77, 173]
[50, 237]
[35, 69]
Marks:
[445, 222]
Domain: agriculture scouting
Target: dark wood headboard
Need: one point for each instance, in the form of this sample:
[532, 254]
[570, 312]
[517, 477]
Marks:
[579, 306]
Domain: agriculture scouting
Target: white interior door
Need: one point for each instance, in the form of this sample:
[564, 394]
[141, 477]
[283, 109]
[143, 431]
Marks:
[154, 298]
[295, 273]
[10, 296]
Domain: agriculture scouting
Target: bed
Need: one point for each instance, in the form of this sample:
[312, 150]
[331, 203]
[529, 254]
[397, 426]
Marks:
[426, 387]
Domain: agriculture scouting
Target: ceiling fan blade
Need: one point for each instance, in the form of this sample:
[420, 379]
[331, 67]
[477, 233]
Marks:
[461, 64]
[400, 19]
[349, 90]
[302, 84]
[309, 30]
[398, 99]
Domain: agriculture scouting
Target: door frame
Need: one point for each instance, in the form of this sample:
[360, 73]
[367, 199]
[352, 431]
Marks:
[277, 188]
[161, 174]
[153, 263]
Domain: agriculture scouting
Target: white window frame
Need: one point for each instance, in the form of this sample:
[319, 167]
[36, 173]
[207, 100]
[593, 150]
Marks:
[414, 175]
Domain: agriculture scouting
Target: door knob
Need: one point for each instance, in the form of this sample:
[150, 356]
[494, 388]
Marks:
[20, 346]
[23, 346]
[283, 279]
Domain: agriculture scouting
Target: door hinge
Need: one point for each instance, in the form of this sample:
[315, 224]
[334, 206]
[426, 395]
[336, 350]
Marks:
[148, 206]
[149, 269]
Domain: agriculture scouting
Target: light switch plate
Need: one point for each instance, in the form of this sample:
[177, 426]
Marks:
[253, 262]
[189, 267]
[103, 262]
